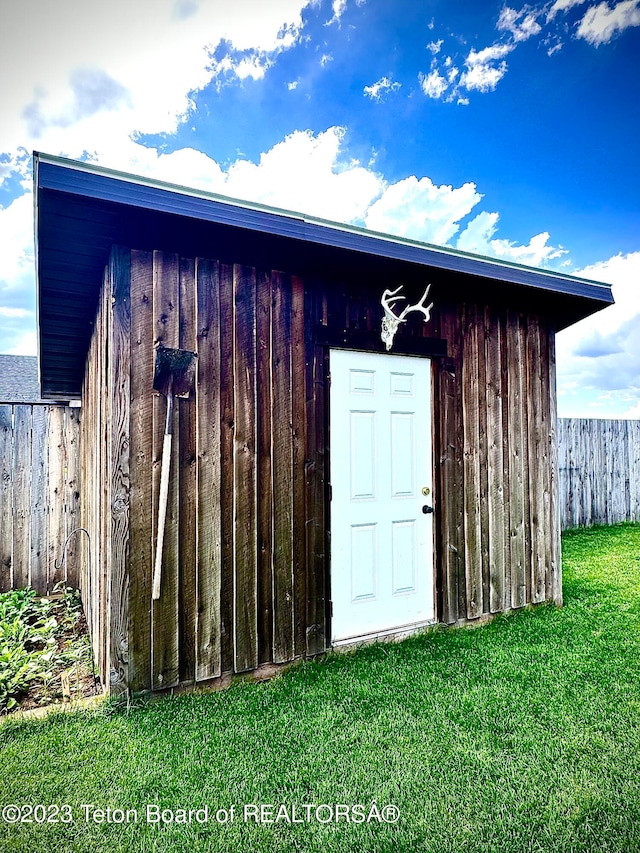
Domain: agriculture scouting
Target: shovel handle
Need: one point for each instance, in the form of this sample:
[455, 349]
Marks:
[162, 513]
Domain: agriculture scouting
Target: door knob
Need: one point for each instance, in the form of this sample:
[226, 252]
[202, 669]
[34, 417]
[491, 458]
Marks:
[426, 509]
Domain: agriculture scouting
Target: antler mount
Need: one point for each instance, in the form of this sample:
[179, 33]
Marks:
[391, 321]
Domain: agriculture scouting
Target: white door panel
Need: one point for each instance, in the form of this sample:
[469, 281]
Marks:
[381, 542]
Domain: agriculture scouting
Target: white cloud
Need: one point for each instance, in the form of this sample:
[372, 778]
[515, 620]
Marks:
[433, 84]
[485, 68]
[382, 87]
[76, 75]
[307, 173]
[562, 6]
[602, 352]
[17, 313]
[600, 23]
[338, 8]
[483, 75]
[488, 54]
[420, 210]
[478, 238]
[521, 30]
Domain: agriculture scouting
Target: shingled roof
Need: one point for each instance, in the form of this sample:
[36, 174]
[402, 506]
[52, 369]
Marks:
[19, 382]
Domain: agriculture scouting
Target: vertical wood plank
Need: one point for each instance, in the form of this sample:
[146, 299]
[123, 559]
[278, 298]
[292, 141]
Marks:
[227, 407]
[141, 499]
[265, 476]
[22, 495]
[497, 544]
[472, 465]
[537, 457]
[298, 412]
[39, 545]
[119, 389]
[635, 469]
[187, 484]
[582, 507]
[518, 483]
[546, 461]
[282, 472]
[598, 454]
[104, 478]
[556, 523]
[315, 486]
[56, 481]
[209, 532]
[623, 428]
[6, 497]
[450, 495]
[483, 315]
[245, 470]
[583, 478]
[72, 496]
[87, 507]
[165, 618]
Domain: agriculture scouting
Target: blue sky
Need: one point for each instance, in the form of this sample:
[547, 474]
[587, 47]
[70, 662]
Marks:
[511, 131]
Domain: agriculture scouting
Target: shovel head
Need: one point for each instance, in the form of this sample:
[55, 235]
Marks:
[175, 371]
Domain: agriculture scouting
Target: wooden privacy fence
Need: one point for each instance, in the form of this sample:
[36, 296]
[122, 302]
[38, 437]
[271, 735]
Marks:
[39, 494]
[599, 466]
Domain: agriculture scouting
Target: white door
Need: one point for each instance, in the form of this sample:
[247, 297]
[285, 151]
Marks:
[381, 540]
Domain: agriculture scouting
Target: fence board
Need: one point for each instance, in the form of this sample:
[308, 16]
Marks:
[57, 466]
[6, 497]
[22, 494]
[599, 470]
[39, 502]
[35, 476]
[72, 497]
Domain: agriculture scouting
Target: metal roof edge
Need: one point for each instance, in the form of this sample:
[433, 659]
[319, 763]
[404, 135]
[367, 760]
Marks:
[318, 230]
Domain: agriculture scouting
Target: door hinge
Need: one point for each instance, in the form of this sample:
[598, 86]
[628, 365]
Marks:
[330, 492]
[331, 609]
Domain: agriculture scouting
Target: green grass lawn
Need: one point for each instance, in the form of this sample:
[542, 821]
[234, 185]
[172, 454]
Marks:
[522, 736]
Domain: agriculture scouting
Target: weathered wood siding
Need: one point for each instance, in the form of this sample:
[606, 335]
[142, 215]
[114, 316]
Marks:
[599, 467]
[235, 591]
[497, 536]
[39, 495]
[104, 455]
[246, 550]
[498, 532]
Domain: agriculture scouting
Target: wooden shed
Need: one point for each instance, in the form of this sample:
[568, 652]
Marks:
[323, 490]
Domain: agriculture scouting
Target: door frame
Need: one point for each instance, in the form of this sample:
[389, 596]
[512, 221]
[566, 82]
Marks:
[402, 631]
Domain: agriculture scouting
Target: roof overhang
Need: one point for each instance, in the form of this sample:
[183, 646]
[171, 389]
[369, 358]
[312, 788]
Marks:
[82, 210]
